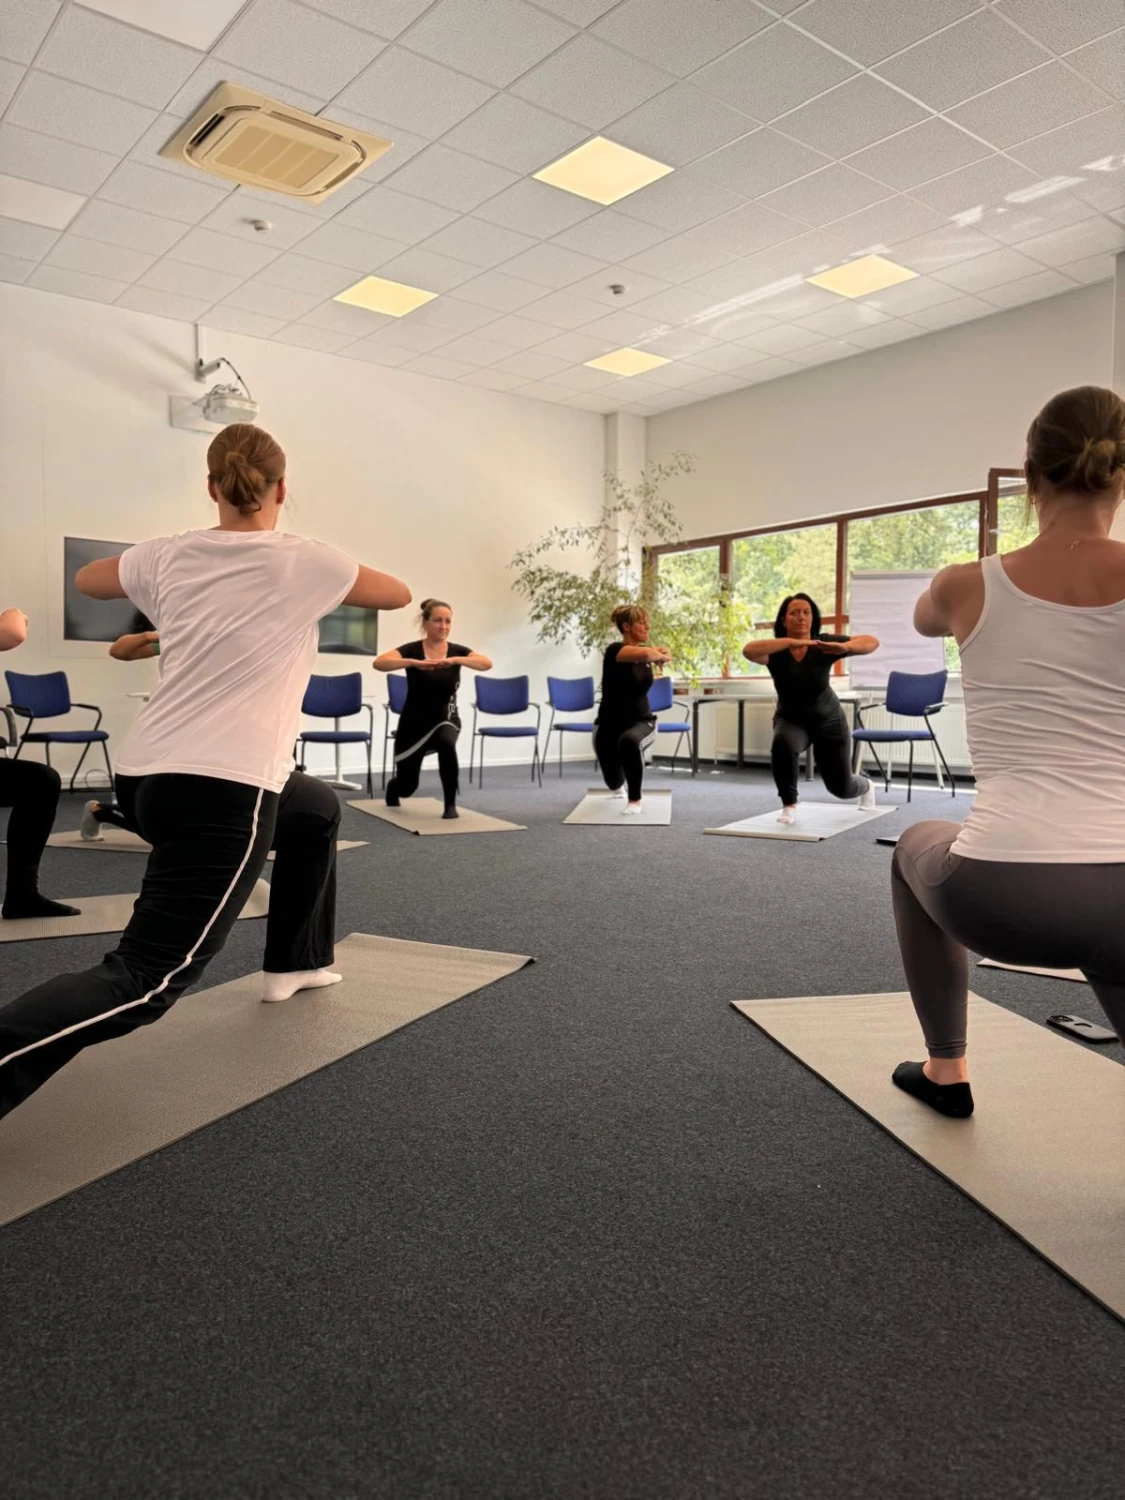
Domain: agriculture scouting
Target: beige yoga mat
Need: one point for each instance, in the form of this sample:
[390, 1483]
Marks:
[424, 815]
[121, 841]
[214, 1053]
[603, 809]
[1075, 974]
[1044, 1152]
[104, 914]
[815, 821]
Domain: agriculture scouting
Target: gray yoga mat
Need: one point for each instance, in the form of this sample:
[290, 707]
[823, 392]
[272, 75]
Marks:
[424, 815]
[216, 1052]
[602, 809]
[104, 914]
[121, 841]
[815, 821]
[1043, 1152]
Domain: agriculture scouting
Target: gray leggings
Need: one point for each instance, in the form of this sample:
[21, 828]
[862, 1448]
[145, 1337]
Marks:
[1052, 916]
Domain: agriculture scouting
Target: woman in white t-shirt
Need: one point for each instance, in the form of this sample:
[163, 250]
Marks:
[206, 773]
[1036, 874]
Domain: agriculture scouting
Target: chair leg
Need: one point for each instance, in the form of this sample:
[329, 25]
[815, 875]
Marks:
[384, 762]
[562, 737]
[536, 764]
[370, 782]
[910, 773]
[945, 763]
[480, 768]
[78, 767]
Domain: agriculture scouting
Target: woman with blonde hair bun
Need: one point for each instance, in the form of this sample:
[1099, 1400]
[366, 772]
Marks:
[626, 726]
[206, 774]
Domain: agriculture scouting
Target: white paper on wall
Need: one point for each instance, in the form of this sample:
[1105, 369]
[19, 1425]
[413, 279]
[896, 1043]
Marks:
[882, 604]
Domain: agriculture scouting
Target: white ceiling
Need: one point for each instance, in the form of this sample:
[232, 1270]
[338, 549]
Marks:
[980, 144]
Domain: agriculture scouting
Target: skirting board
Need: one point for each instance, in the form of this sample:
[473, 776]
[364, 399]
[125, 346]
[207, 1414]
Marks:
[1042, 1152]
[216, 1052]
[815, 821]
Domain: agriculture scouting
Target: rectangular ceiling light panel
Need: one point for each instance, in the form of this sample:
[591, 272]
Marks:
[603, 171]
[628, 362]
[857, 278]
[392, 298]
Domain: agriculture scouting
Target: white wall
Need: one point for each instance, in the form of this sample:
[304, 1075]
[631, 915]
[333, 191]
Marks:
[926, 417]
[435, 482]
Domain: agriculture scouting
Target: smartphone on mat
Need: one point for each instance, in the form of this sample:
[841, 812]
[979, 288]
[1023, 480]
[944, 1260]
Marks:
[1080, 1028]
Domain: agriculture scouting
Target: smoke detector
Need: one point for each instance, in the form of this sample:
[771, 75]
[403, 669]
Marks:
[261, 143]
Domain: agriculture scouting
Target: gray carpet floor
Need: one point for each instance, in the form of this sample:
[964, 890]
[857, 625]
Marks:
[585, 1235]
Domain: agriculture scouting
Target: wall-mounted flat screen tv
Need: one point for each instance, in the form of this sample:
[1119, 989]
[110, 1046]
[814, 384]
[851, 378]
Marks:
[350, 631]
[95, 619]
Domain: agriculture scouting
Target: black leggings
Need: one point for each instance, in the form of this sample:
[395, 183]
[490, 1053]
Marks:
[621, 754]
[31, 790]
[443, 743]
[209, 843]
[832, 749]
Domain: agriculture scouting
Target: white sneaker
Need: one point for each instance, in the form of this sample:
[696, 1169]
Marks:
[787, 815]
[620, 794]
[632, 811]
[90, 829]
[867, 799]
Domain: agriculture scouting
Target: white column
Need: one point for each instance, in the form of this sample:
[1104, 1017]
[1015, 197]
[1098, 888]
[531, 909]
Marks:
[625, 454]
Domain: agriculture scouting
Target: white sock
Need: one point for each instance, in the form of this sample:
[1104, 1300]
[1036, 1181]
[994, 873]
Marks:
[867, 798]
[90, 830]
[282, 986]
[620, 794]
[787, 815]
[632, 810]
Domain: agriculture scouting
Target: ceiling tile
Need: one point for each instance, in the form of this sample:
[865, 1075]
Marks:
[25, 241]
[1091, 146]
[386, 18]
[576, 348]
[125, 226]
[894, 331]
[440, 367]
[1042, 100]
[456, 316]
[580, 12]
[1010, 223]
[196, 25]
[419, 338]
[679, 344]
[313, 338]
[164, 304]
[475, 350]
[403, 147]
[398, 216]
[842, 321]
[716, 385]
[285, 41]
[414, 92]
[563, 310]
[73, 253]
[550, 265]
[986, 271]
[272, 301]
[923, 152]
[1030, 289]
[974, 55]
[236, 214]
[596, 401]
[770, 369]
[354, 248]
[637, 287]
[76, 284]
[739, 326]
[545, 390]
[152, 142]
[749, 229]
[1091, 269]
[870, 30]
[451, 178]
[727, 358]
[1062, 27]
[492, 380]
[682, 257]
[119, 59]
[497, 290]
[759, 163]
[430, 272]
[960, 310]
[823, 352]
[740, 282]
[493, 40]
[970, 190]
[186, 281]
[773, 73]
[579, 378]
[477, 242]
[515, 134]
[212, 71]
[826, 195]
[25, 26]
[1096, 236]
[788, 303]
[222, 252]
[536, 209]
[1103, 62]
[341, 317]
[135, 186]
[941, 247]
[885, 223]
[519, 333]
[856, 114]
[54, 106]
[610, 236]
[377, 354]
[621, 327]
[531, 366]
[911, 296]
[679, 202]
[679, 37]
[680, 125]
[590, 83]
[11, 75]
[54, 163]
[785, 339]
[14, 270]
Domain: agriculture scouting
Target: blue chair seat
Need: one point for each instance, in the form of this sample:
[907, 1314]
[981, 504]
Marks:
[509, 731]
[576, 727]
[890, 736]
[66, 737]
[683, 726]
[335, 736]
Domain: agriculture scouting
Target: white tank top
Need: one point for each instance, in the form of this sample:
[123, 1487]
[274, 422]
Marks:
[1045, 719]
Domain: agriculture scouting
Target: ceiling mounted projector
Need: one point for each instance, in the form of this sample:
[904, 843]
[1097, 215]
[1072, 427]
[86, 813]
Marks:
[222, 405]
[226, 403]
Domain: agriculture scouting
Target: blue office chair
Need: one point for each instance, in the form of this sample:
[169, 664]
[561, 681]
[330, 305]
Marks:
[661, 697]
[396, 702]
[504, 696]
[337, 698]
[568, 695]
[47, 696]
[910, 695]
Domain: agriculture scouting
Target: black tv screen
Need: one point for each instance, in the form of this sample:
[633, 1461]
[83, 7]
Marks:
[350, 631]
[95, 619]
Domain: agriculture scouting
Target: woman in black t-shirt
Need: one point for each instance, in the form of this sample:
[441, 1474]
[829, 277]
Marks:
[799, 659]
[429, 722]
[626, 726]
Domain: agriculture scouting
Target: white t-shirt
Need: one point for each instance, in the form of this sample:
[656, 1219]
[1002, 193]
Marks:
[237, 613]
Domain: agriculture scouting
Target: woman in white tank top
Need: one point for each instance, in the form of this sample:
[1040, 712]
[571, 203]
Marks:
[1036, 875]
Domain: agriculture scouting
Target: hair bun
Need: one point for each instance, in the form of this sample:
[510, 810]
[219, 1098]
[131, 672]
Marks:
[1099, 462]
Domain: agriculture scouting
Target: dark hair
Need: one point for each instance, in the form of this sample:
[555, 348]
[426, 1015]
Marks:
[628, 614]
[242, 462]
[429, 605]
[1077, 442]
[779, 623]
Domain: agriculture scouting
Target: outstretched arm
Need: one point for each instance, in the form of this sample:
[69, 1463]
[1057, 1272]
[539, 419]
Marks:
[13, 629]
[856, 645]
[391, 661]
[651, 654]
[769, 646]
[101, 579]
[137, 647]
[374, 590]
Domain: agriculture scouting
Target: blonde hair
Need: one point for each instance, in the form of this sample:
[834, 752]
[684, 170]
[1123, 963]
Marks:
[242, 462]
[1077, 442]
[628, 614]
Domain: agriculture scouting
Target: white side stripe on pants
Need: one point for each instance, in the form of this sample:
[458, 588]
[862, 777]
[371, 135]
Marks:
[144, 999]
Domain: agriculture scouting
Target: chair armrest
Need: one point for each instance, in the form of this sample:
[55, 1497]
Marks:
[370, 707]
[12, 736]
[934, 708]
[93, 707]
[538, 716]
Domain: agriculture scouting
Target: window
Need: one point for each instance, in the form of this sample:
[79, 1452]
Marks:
[765, 569]
[1015, 519]
[688, 583]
